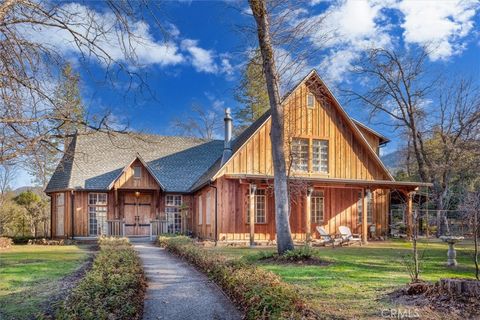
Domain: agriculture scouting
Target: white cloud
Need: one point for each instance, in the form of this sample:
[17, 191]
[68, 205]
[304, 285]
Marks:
[204, 60]
[440, 24]
[346, 30]
[112, 45]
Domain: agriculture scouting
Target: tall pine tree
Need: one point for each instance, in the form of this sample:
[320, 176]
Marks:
[251, 93]
[68, 117]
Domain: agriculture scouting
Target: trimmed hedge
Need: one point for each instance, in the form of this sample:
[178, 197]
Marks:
[113, 289]
[260, 293]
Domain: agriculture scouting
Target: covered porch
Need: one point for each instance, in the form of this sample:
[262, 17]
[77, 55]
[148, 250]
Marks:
[361, 205]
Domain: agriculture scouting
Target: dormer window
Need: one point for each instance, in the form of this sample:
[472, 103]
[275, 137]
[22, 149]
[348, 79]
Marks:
[137, 172]
[310, 101]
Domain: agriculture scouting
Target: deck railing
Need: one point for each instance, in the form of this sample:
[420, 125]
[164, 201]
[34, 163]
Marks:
[157, 227]
[116, 228]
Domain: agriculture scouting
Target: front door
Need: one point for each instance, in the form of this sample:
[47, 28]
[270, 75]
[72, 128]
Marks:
[137, 214]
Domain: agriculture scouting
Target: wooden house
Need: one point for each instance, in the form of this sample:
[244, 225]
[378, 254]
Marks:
[144, 185]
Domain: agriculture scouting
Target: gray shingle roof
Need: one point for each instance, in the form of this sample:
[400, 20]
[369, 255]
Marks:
[96, 159]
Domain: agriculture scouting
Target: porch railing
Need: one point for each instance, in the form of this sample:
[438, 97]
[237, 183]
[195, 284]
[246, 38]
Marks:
[116, 228]
[157, 227]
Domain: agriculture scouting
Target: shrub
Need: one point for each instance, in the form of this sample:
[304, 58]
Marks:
[5, 242]
[300, 254]
[260, 293]
[113, 289]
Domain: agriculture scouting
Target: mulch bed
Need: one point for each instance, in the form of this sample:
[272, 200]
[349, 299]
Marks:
[314, 261]
[432, 296]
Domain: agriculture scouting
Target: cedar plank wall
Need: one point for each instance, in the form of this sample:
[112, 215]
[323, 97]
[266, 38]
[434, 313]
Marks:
[340, 209]
[348, 159]
[126, 180]
[373, 140]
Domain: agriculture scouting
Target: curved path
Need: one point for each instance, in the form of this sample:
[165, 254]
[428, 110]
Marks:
[178, 291]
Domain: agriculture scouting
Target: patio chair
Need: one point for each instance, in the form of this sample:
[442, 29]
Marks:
[348, 237]
[325, 237]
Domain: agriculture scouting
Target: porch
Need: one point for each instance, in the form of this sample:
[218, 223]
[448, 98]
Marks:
[361, 205]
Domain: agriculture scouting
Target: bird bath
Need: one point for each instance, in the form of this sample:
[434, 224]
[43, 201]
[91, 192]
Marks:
[451, 254]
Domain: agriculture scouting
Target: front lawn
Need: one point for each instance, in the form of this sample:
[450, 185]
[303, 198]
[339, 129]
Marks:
[356, 281]
[29, 276]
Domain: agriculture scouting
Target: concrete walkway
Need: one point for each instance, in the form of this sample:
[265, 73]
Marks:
[178, 291]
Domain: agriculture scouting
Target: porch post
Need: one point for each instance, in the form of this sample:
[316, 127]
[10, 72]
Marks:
[364, 216]
[251, 211]
[308, 221]
[115, 203]
[409, 214]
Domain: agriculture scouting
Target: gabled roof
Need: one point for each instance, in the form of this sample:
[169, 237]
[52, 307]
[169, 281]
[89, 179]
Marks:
[249, 132]
[145, 165]
[179, 164]
[382, 138]
[97, 159]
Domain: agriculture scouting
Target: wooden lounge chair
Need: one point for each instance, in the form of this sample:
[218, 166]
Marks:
[325, 237]
[348, 237]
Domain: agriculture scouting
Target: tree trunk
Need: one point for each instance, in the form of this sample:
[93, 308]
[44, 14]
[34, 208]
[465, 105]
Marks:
[475, 241]
[282, 214]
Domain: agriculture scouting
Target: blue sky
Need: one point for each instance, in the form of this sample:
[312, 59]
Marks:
[201, 58]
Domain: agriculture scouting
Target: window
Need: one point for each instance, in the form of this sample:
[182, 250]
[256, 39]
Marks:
[300, 154]
[60, 202]
[97, 213]
[317, 206]
[173, 211]
[310, 101]
[137, 172]
[207, 209]
[320, 156]
[369, 207]
[360, 207]
[260, 207]
[174, 200]
[200, 210]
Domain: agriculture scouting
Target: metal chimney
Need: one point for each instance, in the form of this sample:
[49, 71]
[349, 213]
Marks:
[227, 149]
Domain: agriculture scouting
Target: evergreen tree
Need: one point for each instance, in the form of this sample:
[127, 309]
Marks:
[69, 111]
[251, 93]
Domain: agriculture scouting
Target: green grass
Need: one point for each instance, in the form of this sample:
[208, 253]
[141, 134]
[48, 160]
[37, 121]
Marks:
[356, 281]
[29, 276]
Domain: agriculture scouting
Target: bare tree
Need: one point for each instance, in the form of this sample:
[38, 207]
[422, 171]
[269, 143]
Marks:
[471, 206]
[200, 123]
[29, 115]
[441, 119]
[282, 208]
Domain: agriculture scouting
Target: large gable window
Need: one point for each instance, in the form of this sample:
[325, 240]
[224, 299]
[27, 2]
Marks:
[260, 207]
[300, 154]
[320, 156]
[305, 150]
[97, 212]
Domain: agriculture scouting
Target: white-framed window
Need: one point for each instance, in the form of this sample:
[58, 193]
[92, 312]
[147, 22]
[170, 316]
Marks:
[60, 202]
[137, 172]
[97, 214]
[310, 101]
[173, 200]
[260, 207]
[207, 208]
[320, 156]
[317, 205]
[369, 196]
[173, 212]
[300, 154]
[200, 209]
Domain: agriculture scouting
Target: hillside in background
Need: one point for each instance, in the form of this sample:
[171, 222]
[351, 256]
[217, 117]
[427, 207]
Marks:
[393, 161]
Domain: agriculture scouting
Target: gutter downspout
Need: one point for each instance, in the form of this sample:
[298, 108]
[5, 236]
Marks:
[216, 212]
[72, 199]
